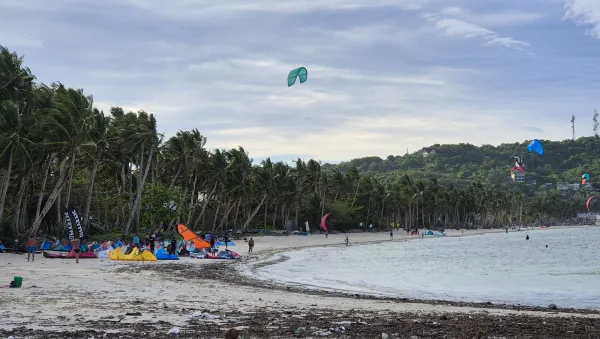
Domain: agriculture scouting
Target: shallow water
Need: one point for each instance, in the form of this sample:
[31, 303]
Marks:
[500, 268]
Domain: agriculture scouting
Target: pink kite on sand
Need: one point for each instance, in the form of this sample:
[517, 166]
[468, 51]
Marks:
[323, 222]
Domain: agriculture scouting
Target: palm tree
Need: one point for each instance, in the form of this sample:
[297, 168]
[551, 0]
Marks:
[67, 127]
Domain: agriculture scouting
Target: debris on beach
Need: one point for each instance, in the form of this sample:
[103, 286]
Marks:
[202, 315]
[322, 333]
[232, 334]
[174, 331]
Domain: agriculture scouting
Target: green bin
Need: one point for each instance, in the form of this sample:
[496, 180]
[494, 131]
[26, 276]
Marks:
[18, 281]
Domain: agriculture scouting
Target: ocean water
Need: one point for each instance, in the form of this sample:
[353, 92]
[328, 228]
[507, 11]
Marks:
[499, 268]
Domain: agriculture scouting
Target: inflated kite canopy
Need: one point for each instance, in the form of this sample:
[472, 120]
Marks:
[536, 146]
[587, 204]
[189, 235]
[323, 224]
[300, 72]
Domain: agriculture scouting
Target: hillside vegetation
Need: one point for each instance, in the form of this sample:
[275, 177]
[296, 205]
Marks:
[563, 161]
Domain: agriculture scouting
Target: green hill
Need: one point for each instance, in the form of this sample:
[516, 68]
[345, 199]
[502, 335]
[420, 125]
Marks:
[563, 161]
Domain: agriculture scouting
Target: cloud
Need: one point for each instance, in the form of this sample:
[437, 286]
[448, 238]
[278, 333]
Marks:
[204, 8]
[494, 18]
[585, 13]
[13, 40]
[534, 129]
[381, 79]
[460, 28]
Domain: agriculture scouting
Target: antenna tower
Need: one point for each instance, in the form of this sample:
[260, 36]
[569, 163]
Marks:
[573, 125]
[596, 123]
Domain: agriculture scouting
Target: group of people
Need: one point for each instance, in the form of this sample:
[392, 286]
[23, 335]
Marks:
[32, 247]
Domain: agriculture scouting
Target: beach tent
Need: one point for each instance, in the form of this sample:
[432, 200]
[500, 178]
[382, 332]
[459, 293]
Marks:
[135, 255]
[190, 235]
[69, 255]
[162, 254]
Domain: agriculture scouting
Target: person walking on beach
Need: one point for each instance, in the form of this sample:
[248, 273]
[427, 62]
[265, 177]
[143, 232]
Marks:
[347, 241]
[391, 234]
[31, 247]
[76, 248]
[250, 245]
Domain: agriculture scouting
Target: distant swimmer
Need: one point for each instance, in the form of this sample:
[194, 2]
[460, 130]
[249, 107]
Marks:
[546, 246]
[527, 237]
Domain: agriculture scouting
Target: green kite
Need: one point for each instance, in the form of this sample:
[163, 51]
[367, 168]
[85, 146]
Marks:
[301, 73]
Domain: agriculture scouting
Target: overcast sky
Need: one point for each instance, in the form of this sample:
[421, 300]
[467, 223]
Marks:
[383, 75]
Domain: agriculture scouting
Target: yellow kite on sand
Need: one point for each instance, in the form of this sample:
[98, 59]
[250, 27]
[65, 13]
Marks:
[135, 255]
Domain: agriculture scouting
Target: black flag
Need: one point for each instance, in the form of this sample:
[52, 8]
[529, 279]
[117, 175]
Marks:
[69, 224]
[71, 217]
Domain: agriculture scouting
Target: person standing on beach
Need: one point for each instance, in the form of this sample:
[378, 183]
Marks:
[31, 247]
[173, 249]
[347, 241]
[76, 248]
[152, 244]
[250, 245]
[391, 234]
[226, 241]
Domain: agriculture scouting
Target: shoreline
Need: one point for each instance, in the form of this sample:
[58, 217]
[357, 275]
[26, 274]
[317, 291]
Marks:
[103, 298]
[246, 275]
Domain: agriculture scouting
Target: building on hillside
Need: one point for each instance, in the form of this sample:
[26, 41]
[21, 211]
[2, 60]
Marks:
[588, 218]
[517, 177]
[563, 186]
[427, 151]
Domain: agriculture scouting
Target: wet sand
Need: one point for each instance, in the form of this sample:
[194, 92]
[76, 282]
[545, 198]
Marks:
[100, 298]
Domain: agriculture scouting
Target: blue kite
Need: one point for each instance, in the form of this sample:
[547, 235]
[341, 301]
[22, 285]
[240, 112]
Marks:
[536, 145]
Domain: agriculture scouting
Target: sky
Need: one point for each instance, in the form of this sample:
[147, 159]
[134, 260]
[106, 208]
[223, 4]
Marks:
[384, 76]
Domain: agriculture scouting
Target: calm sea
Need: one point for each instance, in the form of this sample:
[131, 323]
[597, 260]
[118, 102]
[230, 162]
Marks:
[500, 268]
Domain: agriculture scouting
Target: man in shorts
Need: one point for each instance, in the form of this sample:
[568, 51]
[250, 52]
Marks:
[31, 247]
[76, 248]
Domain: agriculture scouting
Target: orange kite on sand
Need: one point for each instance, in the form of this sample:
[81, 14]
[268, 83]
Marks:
[188, 235]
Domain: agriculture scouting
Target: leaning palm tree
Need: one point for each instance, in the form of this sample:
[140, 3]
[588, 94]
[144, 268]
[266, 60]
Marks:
[67, 127]
[16, 87]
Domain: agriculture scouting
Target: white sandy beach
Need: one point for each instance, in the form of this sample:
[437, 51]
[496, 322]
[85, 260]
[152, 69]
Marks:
[58, 292]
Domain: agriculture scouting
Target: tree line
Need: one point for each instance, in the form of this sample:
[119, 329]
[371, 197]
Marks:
[59, 151]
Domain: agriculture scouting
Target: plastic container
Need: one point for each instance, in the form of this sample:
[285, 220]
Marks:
[18, 281]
